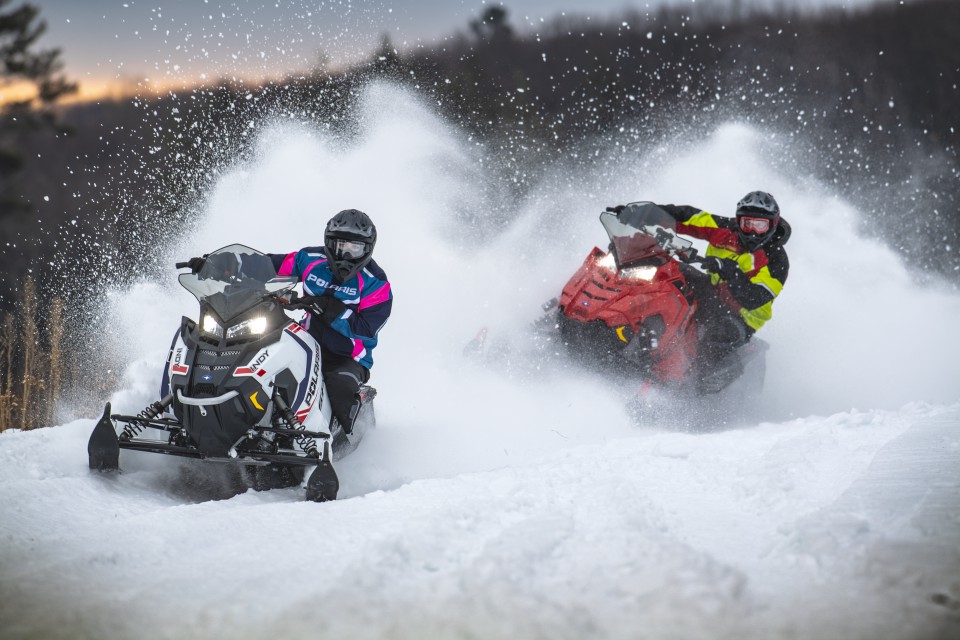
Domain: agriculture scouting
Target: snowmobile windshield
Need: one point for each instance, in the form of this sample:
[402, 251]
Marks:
[632, 245]
[236, 278]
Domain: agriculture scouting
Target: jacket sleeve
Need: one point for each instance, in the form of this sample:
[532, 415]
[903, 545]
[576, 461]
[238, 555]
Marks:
[753, 290]
[370, 315]
[286, 264]
[697, 223]
[680, 212]
[641, 214]
[260, 267]
[297, 262]
[751, 293]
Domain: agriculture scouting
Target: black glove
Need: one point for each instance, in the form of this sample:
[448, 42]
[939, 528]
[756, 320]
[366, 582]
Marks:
[222, 266]
[196, 264]
[325, 308]
[617, 209]
[642, 214]
[725, 267]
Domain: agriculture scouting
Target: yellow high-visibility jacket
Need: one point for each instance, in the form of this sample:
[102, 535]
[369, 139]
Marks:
[762, 272]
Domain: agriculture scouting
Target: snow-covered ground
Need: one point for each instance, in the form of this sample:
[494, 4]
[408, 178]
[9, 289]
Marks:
[522, 502]
[839, 527]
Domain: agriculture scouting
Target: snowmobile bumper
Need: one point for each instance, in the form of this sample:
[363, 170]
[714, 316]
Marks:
[152, 446]
[104, 445]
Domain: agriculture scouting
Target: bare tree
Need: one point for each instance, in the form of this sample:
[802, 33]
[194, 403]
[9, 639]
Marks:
[29, 341]
[8, 336]
[55, 335]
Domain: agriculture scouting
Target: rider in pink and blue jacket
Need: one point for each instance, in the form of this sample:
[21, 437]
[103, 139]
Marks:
[349, 300]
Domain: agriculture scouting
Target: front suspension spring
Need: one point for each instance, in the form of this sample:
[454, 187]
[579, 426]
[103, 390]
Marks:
[133, 428]
[308, 444]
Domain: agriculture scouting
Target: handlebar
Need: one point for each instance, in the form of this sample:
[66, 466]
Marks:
[670, 243]
[293, 301]
[182, 265]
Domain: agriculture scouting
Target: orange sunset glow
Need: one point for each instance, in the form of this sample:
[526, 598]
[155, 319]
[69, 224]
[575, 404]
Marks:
[102, 89]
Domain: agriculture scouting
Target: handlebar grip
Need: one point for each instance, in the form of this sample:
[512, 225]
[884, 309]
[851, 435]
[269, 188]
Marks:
[182, 265]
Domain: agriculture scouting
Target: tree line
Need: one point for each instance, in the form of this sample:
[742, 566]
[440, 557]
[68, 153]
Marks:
[41, 377]
[867, 100]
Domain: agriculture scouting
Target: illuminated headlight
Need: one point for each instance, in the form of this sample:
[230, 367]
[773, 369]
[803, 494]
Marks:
[249, 327]
[645, 273]
[210, 326]
[607, 262]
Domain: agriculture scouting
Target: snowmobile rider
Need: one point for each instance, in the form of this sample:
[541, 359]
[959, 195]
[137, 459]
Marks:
[747, 267]
[348, 299]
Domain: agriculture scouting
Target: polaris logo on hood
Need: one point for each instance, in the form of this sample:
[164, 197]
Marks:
[320, 282]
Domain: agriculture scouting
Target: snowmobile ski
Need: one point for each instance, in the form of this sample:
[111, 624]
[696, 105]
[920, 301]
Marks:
[323, 484]
[103, 448]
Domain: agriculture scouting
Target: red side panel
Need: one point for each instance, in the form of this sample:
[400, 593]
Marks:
[595, 292]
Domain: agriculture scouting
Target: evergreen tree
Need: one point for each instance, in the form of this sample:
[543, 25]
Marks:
[492, 25]
[21, 62]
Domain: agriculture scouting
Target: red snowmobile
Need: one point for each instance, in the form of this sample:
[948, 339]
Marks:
[631, 311]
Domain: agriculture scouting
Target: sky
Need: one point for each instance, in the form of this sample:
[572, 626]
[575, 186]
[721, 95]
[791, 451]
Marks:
[127, 45]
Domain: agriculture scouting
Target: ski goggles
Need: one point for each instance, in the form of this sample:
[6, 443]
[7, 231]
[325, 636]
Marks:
[750, 224]
[350, 249]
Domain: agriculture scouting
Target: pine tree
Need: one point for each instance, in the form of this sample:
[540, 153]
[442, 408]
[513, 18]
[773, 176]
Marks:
[19, 62]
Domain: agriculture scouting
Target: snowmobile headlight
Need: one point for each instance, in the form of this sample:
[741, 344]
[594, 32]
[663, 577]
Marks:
[249, 327]
[210, 326]
[646, 273]
[607, 262]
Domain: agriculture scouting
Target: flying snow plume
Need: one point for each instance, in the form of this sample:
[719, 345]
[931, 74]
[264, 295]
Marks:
[516, 493]
[852, 328]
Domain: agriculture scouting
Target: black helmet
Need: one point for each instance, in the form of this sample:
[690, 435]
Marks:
[757, 217]
[349, 241]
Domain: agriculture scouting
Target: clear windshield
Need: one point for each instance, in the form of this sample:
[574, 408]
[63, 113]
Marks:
[236, 278]
[632, 245]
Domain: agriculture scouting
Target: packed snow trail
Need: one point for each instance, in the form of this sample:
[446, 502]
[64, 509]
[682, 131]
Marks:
[811, 528]
[521, 501]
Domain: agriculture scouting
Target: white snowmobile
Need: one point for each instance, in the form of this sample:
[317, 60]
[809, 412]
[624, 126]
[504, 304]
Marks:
[243, 385]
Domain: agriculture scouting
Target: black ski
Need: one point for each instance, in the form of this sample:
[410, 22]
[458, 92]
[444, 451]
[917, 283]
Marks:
[323, 484]
[104, 446]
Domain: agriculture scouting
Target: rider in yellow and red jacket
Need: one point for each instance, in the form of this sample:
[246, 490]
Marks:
[747, 267]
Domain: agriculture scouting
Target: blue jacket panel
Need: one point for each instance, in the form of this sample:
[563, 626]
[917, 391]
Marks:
[368, 297]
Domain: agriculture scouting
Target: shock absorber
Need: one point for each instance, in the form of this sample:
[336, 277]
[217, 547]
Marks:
[133, 428]
[308, 444]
